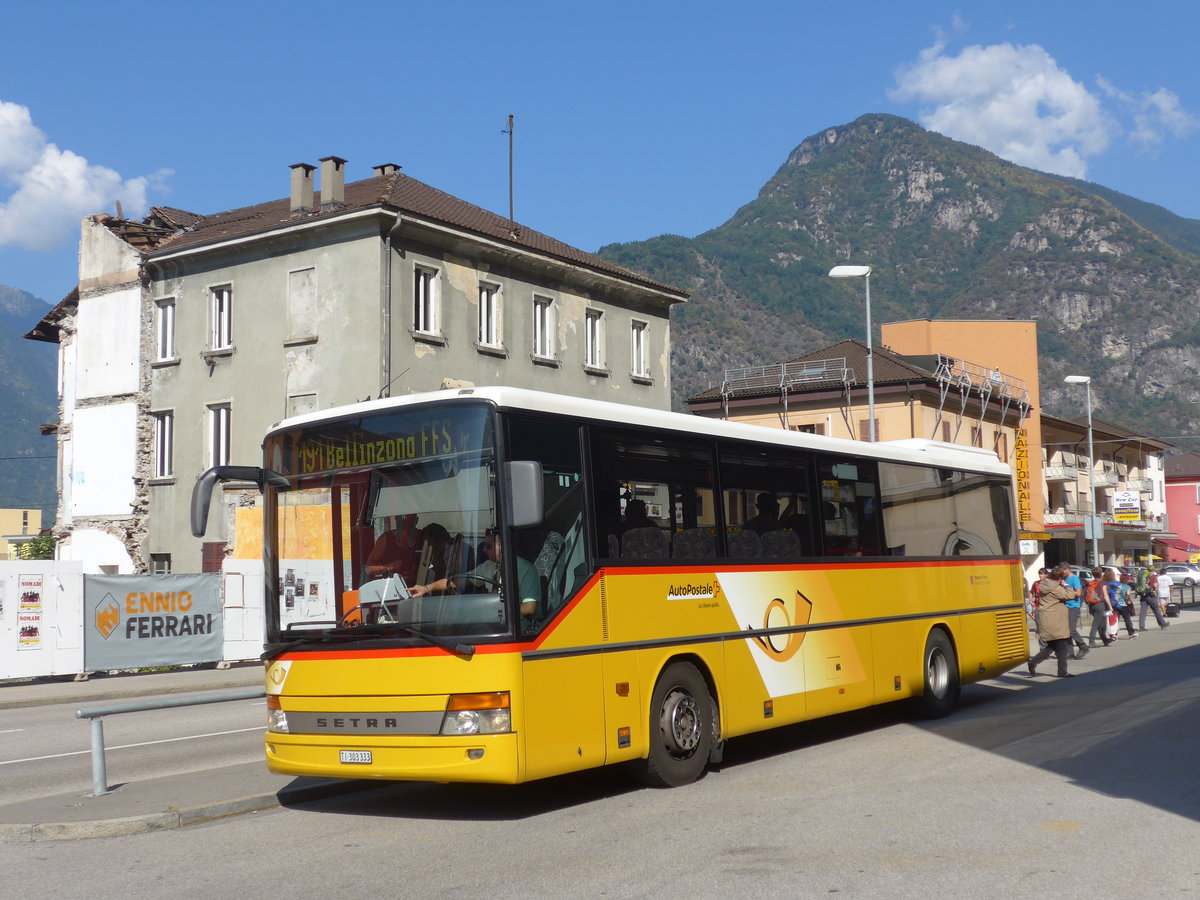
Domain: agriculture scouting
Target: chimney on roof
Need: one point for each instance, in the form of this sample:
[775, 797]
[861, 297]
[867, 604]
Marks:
[386, 169]
[302, 188]
[333, 182]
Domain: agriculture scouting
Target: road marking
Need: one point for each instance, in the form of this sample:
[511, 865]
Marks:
[11, 730]
[190, 737]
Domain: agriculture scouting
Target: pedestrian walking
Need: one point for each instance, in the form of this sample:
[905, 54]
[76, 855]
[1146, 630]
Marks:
[1165, 583]
[1122, 601]
[1035, 591]
[1150, 602]
[1073, 612]
[1096, 595]
[1053, 622]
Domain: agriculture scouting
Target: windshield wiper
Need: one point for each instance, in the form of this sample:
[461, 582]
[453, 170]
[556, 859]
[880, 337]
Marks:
[452, 646]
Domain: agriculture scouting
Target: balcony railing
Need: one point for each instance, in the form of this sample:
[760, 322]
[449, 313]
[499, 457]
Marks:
[1104, 479]
[1064, 515]
[1141, 485]
[1061, 473]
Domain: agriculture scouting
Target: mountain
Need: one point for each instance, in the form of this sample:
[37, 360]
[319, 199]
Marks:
[953, 232]
[28, 373]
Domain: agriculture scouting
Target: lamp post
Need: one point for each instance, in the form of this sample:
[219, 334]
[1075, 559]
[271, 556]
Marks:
[863, 272]
[1086, 380]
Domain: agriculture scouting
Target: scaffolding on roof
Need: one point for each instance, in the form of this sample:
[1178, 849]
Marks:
[782, 377]
[974, 380]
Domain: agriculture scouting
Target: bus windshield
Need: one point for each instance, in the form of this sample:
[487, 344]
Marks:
[389, 527]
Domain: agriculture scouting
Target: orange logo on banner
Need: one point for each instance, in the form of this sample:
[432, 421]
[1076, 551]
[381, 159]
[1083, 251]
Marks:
[777, 615]
[108, 616]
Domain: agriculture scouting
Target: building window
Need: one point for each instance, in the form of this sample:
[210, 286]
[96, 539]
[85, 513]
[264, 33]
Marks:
[489, 315]
[1002, 446]
[593, 354]
[164, 328]
[220, 335]
[164, 444]
[160, 563]
[543, 327]
[946, 436]
[813, 428]
[864, 430]
[425, 301]
[212, 556]
[299, 404]
[639, 365]
[218, 434]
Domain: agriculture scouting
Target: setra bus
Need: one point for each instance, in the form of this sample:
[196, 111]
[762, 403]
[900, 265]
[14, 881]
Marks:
[523, 584]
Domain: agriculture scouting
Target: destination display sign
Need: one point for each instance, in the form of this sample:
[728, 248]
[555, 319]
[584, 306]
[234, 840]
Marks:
[382, 439]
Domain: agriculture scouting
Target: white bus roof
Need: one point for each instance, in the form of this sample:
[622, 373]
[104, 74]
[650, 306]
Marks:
[910, 450]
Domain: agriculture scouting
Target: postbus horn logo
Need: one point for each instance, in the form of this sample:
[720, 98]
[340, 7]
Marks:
[782, 647]
[108, 615]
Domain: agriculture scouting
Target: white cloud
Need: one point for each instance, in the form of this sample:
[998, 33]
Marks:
[1013, 100]
[52, 188]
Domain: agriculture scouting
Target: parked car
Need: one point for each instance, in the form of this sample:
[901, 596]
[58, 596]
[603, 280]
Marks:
[1182, 573]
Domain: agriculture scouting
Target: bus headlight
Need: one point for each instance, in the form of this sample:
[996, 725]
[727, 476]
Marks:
[276, 717]
[468, 714]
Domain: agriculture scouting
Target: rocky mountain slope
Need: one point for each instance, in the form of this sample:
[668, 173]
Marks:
[953, 232]
[27, 371]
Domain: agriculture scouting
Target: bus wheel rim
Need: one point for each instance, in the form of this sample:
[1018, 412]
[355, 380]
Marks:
[938, 673]
[680, 722]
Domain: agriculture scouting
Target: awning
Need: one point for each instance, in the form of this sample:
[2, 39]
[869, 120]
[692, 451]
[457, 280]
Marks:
[1180, 545]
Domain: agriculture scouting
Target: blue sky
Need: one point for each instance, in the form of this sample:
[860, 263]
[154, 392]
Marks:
[632, 119]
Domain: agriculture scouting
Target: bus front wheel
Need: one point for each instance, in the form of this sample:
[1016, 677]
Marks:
[681, 727]
[941, 676]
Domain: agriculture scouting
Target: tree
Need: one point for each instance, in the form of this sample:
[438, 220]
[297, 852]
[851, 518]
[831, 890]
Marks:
[40, 547]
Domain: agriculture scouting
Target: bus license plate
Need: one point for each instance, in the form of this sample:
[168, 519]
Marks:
[361, 757]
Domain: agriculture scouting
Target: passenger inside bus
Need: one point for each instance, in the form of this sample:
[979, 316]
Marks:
[768, 514]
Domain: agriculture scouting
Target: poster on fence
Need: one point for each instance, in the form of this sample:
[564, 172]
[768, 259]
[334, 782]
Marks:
[29, 613]
[136, 621]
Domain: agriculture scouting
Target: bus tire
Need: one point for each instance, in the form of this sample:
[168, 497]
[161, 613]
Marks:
[681, 728]
[941, 676]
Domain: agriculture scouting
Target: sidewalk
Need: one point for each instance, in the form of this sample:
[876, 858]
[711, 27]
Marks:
[178, 800]
[155, 804]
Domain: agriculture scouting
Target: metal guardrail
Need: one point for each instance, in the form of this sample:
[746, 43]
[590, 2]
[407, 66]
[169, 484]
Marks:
[97, 714]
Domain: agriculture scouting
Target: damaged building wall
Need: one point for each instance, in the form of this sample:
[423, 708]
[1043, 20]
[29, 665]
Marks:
[100, 385]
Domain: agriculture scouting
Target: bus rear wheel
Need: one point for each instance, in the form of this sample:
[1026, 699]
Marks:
[681, 728]
[941, 676]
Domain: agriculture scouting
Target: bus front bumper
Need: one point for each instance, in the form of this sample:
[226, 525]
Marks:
[491, 758]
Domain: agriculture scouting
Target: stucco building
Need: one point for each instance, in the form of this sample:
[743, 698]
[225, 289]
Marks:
[189, 335]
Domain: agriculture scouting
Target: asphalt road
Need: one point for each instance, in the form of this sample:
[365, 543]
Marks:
[1085, 787]
[47, 750]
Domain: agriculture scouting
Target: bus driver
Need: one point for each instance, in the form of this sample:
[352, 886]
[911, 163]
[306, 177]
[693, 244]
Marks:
[489, 573]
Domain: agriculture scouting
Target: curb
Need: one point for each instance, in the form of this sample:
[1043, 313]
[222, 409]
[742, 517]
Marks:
[173, 820]
[118, 694]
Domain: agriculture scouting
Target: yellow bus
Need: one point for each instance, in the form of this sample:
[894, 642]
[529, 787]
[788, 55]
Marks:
[524, 584]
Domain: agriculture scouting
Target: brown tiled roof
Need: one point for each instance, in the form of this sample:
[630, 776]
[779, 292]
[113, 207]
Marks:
[1185, 465]
[405, 195]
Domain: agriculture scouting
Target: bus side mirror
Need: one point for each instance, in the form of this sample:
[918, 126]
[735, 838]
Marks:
[524, 477]
[202, 491]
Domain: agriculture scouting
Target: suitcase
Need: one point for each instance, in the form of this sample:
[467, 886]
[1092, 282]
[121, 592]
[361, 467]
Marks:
[1172, 609]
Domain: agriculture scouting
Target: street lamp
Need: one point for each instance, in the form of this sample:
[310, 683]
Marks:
[1086, 380]
[863, 272]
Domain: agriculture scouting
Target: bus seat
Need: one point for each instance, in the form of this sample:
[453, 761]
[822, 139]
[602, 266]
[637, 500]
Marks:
[614, 547]
[644, 543]
[745, 544]
[781, 545]
[693, 543]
